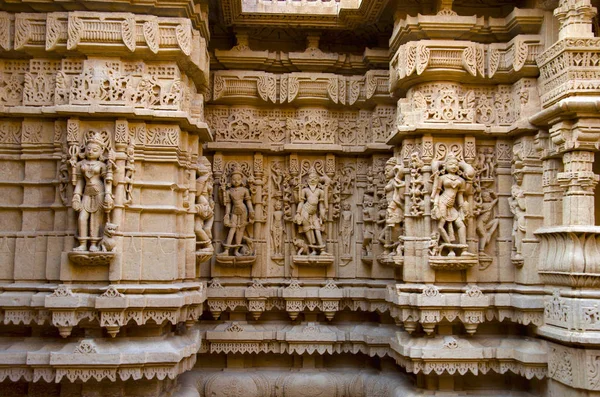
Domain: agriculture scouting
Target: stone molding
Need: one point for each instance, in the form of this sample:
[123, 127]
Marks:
[98, 359]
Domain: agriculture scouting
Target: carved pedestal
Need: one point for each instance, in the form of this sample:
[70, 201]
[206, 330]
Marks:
[313, 260]
[87, 258]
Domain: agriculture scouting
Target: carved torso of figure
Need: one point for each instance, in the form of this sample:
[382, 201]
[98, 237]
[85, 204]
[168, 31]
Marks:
[312, 197]
[452, 184]
[93, 193]
[517, 207]
[238, 196]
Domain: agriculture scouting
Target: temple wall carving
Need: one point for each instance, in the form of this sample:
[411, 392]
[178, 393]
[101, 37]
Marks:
[299, 198]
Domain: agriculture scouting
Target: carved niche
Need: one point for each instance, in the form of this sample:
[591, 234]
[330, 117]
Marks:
[452, 179]
[236, 195]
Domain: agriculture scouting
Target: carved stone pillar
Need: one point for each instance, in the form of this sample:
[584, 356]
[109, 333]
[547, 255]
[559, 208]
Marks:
[575, 19]
[579, 182]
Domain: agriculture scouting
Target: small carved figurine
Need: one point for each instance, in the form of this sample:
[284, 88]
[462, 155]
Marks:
[346, 228]
[486, 221]
[518, 208]
[204, 204]
[277, 228]
[108, 242]
[368, 224]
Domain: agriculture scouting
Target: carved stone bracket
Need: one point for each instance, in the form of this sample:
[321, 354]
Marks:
[570, 256]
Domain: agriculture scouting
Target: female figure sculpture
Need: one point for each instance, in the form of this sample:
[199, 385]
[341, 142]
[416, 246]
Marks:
[92, 196]
[204, 204]
[450, 207]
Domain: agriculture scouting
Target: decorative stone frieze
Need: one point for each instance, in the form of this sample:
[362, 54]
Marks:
[477, 109]
[425, 60]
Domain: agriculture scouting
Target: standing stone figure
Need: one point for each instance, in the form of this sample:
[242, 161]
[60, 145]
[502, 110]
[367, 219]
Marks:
[394, 192]
[450, 207]
[92, 196]
[239, 213]
[368, 224]
[517, 206]
[205, 206]
[277, 229]
[486, 220]
[346, 228]
[311, 213]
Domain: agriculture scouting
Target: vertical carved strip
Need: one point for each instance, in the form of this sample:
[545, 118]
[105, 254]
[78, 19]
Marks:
[128, 33]
[151, 35]
[22, 31]
[5, 36]
[74, 30]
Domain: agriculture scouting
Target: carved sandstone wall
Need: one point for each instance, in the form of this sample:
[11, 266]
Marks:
[305, 198]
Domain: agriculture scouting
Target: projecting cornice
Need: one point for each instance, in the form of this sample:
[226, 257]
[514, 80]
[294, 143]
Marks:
[338, 14]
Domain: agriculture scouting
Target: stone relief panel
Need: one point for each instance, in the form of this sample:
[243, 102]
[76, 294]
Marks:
[460, 104]
[308, 89]
[156, 86]
[303, 220]
[275, 128]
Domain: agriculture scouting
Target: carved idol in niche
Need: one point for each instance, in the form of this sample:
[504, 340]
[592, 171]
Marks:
[346, 228]
[277, 228]
[368, 224]
[310, 214]
[450, 205]
[92, 196]
[517, 206]
[239, 214]
[394, 190]
[205, 206]
[486, 220]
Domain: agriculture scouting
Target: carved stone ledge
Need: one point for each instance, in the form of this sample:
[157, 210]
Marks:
[453, 263]
[570, 255]
[313, 260]
[100, 359]
[243, 57]
[471, 307]
[234, 87]
[86, 258]
[60, 31]
[233, 261]
[443, 355]
[461, 61]
[204, 255]
[469, 27]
